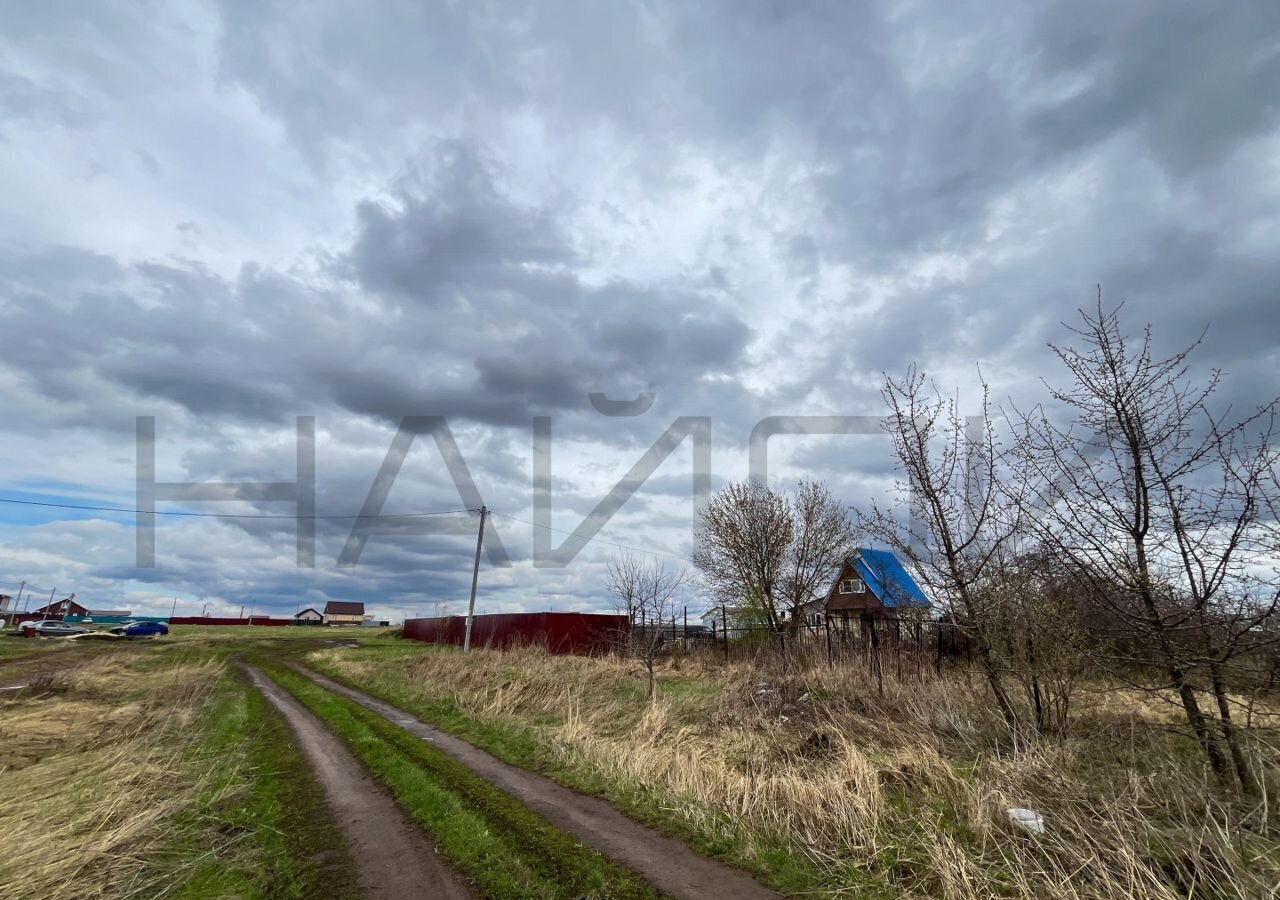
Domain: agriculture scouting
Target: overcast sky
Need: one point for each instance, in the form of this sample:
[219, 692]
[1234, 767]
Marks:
[230, 215]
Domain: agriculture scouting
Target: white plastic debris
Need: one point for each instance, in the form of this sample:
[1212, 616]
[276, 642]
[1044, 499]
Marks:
[1029, 819]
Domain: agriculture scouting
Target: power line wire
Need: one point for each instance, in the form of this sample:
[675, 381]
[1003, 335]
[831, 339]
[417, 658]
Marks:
[597, 540]
[441, 512]
[210, 515]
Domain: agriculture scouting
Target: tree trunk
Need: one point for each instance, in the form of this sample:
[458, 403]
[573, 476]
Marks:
[1037, 700]
[1196, 719]
[1248, 784]
[992, 672]
[996, 683]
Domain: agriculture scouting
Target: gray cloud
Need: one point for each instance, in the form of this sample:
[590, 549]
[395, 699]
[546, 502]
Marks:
[259, 211]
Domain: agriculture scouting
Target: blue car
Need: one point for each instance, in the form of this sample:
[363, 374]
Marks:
[141, 629]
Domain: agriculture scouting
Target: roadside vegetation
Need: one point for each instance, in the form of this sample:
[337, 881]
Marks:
[813, 781]
[13, 647]
[503, 848]
[274, 632]
[156, 773]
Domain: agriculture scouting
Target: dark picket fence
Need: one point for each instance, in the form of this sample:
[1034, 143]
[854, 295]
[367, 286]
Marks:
[902, 647]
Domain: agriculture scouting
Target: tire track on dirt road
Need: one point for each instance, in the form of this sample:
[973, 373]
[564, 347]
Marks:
[394, 859]
[666, 863]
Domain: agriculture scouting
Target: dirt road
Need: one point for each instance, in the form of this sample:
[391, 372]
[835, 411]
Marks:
[665, 863]
[394, 858]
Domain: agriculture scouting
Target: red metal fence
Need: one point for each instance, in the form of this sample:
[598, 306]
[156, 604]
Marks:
[565, 632]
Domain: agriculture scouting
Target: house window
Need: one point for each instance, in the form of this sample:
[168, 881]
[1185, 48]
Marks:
[853, 586]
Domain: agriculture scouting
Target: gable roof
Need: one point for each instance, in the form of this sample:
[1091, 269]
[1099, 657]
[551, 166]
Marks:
[343, 608]
[59, 607]
[309, 609]
[887, 577]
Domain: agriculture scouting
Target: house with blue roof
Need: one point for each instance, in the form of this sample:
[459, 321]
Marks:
[874, 584]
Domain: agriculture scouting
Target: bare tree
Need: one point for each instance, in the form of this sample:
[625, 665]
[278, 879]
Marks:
[1040, 628]
[646, 592]
[625, 577]
[1165, 512]
[742, 547]
[760, 548]
[822, 539]
[958, 523]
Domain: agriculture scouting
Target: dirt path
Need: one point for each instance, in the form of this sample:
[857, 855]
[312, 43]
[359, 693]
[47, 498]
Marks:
[394, 859]
[666, 863]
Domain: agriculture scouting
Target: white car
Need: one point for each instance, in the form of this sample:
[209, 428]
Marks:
[53, 628]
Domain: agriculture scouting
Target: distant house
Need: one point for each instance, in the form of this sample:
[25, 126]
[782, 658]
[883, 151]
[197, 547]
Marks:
[59, 608]
[873, 584]
[811, 614]
[343, 612]
[737, 620]
[308, 616]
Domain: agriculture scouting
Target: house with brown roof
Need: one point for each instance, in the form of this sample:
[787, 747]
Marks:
[59, 608]
[343, 612]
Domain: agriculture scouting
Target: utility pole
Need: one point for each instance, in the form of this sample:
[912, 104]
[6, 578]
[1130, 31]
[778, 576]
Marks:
[173, 612]
[14, 615]
[48, 610]
[252, 607]
[475, 577]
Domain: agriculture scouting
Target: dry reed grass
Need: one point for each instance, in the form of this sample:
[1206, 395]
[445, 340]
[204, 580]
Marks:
[911, 789]
[91, 775]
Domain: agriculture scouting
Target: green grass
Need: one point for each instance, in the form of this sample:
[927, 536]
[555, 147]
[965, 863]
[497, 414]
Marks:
[505, 849]
[276, 632]
[274, 839]
[14, 647]
[770, 857]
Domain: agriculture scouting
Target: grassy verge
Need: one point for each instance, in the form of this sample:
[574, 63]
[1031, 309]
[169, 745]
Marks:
[276, 633]
[506, 850]
[156, 774]
[13, 647]
[273, 838]
[819, 784]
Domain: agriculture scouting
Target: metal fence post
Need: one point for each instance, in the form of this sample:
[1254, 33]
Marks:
[724, 621]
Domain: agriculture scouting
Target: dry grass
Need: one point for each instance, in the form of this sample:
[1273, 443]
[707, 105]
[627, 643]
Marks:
[95, 763]
[908, 790]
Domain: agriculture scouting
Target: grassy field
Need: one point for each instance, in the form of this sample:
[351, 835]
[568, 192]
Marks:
[817, 784]
[155, 770]
[153, 773]
[275, 632]
[14, 647]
